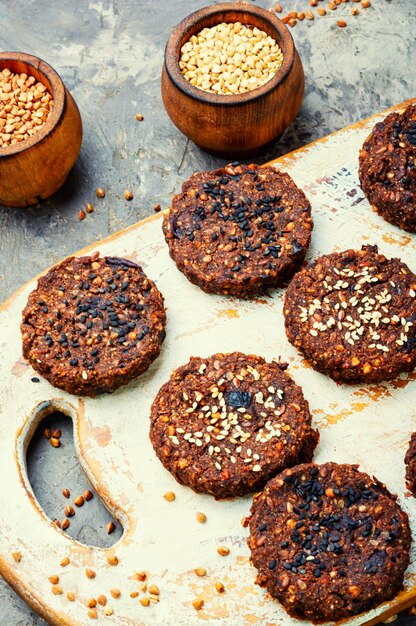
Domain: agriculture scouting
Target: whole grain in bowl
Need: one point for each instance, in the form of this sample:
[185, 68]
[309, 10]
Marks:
[25, 106]
[230, 58]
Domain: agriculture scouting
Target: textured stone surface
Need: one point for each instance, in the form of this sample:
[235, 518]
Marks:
[110, 55]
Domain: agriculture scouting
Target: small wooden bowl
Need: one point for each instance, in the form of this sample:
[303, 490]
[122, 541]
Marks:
[35, 168]
[242, 123]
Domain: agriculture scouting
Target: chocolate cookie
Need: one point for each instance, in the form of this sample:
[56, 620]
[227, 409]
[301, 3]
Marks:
[388, 168]
[238, 230]
[328, 541]
[353, 315]
[92, 324]
[410, 462]
[226, 424]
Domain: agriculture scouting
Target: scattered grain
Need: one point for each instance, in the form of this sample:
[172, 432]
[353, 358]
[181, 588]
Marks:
[112, 560]
[201, 517]
[81, 215]
[70, 596]
[57, 590]
[144, 601]
[198, 604]
[88, 495]
[65, 561]
[65, 524]
[47, 433]
[79, 501]
[17, 556]
[200, 571]
[55, 443]
[89, 208]
[100, 192]
[128, 195]
[341, 23]
[169, 496]
[219, 587]
[110, 528]
[90, 573]
[54, 579]
[66, 493]
[139, 117]
[116, 593]
[223, 551]
[69, 511]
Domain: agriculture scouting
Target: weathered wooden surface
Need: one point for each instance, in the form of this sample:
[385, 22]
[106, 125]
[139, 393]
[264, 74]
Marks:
[109, 54]
[111, 431]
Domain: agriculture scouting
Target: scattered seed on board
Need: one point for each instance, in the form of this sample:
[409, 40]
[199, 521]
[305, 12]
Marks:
[198, 604]
[128, 195]
[54, 579]
[112, 560]
[139, 117]
[57, 590]
[92, 613]
[341, 23]
[116, 593]
[102, 600]
[90, 573]
[108, 610]
[88, 495]
[110, 528]
[144, 601]
[55, 443]
[134, 594]
[201, 517]
[219, 587]
[141, 576]
[82, 215]
[154, 590]
[200, 571]
[65, 561]
[100, 192]
[365, 4]
[157, 208]
[69, 511]
[79, 501]
[47, 433]
[66, 493]
[223, 551]
[57, 433]
[91, 603]
[169, 496]
[70, 596]
[65, 524]
[89, 208]
[17, 556]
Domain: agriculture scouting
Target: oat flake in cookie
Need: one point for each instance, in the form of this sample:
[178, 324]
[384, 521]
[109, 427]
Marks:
[410, 462]
[353, 315]
[328, 541]
[92, 324]
[226, 424]
[239, 230]
[388, 168]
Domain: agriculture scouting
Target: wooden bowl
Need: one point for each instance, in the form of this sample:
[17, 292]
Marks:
[35, 168]
[242, 123]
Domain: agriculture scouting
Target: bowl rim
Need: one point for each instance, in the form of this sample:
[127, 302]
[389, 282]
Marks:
[58, 94]
[207, 97]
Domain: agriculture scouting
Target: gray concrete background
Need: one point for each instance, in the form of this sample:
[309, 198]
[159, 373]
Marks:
[110, 54]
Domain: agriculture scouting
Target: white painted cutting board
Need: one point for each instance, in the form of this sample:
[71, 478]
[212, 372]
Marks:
[369, 425]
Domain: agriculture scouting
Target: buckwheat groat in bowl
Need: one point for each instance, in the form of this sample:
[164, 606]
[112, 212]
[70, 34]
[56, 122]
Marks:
[232, 80]
[239, 230]
[328, 541]
[388, 168]
[226, 424]
[93, 324]
[353, 315]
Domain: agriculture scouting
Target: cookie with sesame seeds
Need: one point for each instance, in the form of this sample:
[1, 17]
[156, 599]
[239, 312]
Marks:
[93, 324]
[226, 424]
[238, 230]
[353, 315]
[328, 541]
[410, 462]
[387, 168]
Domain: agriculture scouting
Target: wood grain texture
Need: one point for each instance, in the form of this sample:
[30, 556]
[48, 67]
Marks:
[36, 168]
[164, 538]
[243, 123]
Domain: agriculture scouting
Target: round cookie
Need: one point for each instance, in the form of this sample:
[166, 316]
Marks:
[410, 462]
[328, 541]
[387, 168]
[92, 324]
[238, 230]
[226, 424]
[353, 315]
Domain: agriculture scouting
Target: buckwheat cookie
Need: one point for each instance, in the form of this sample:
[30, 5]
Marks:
[388, 168]
[238, 230]
[410, 462]
[353, 315]
[226, 424]
[328, 541]
[92, 324]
